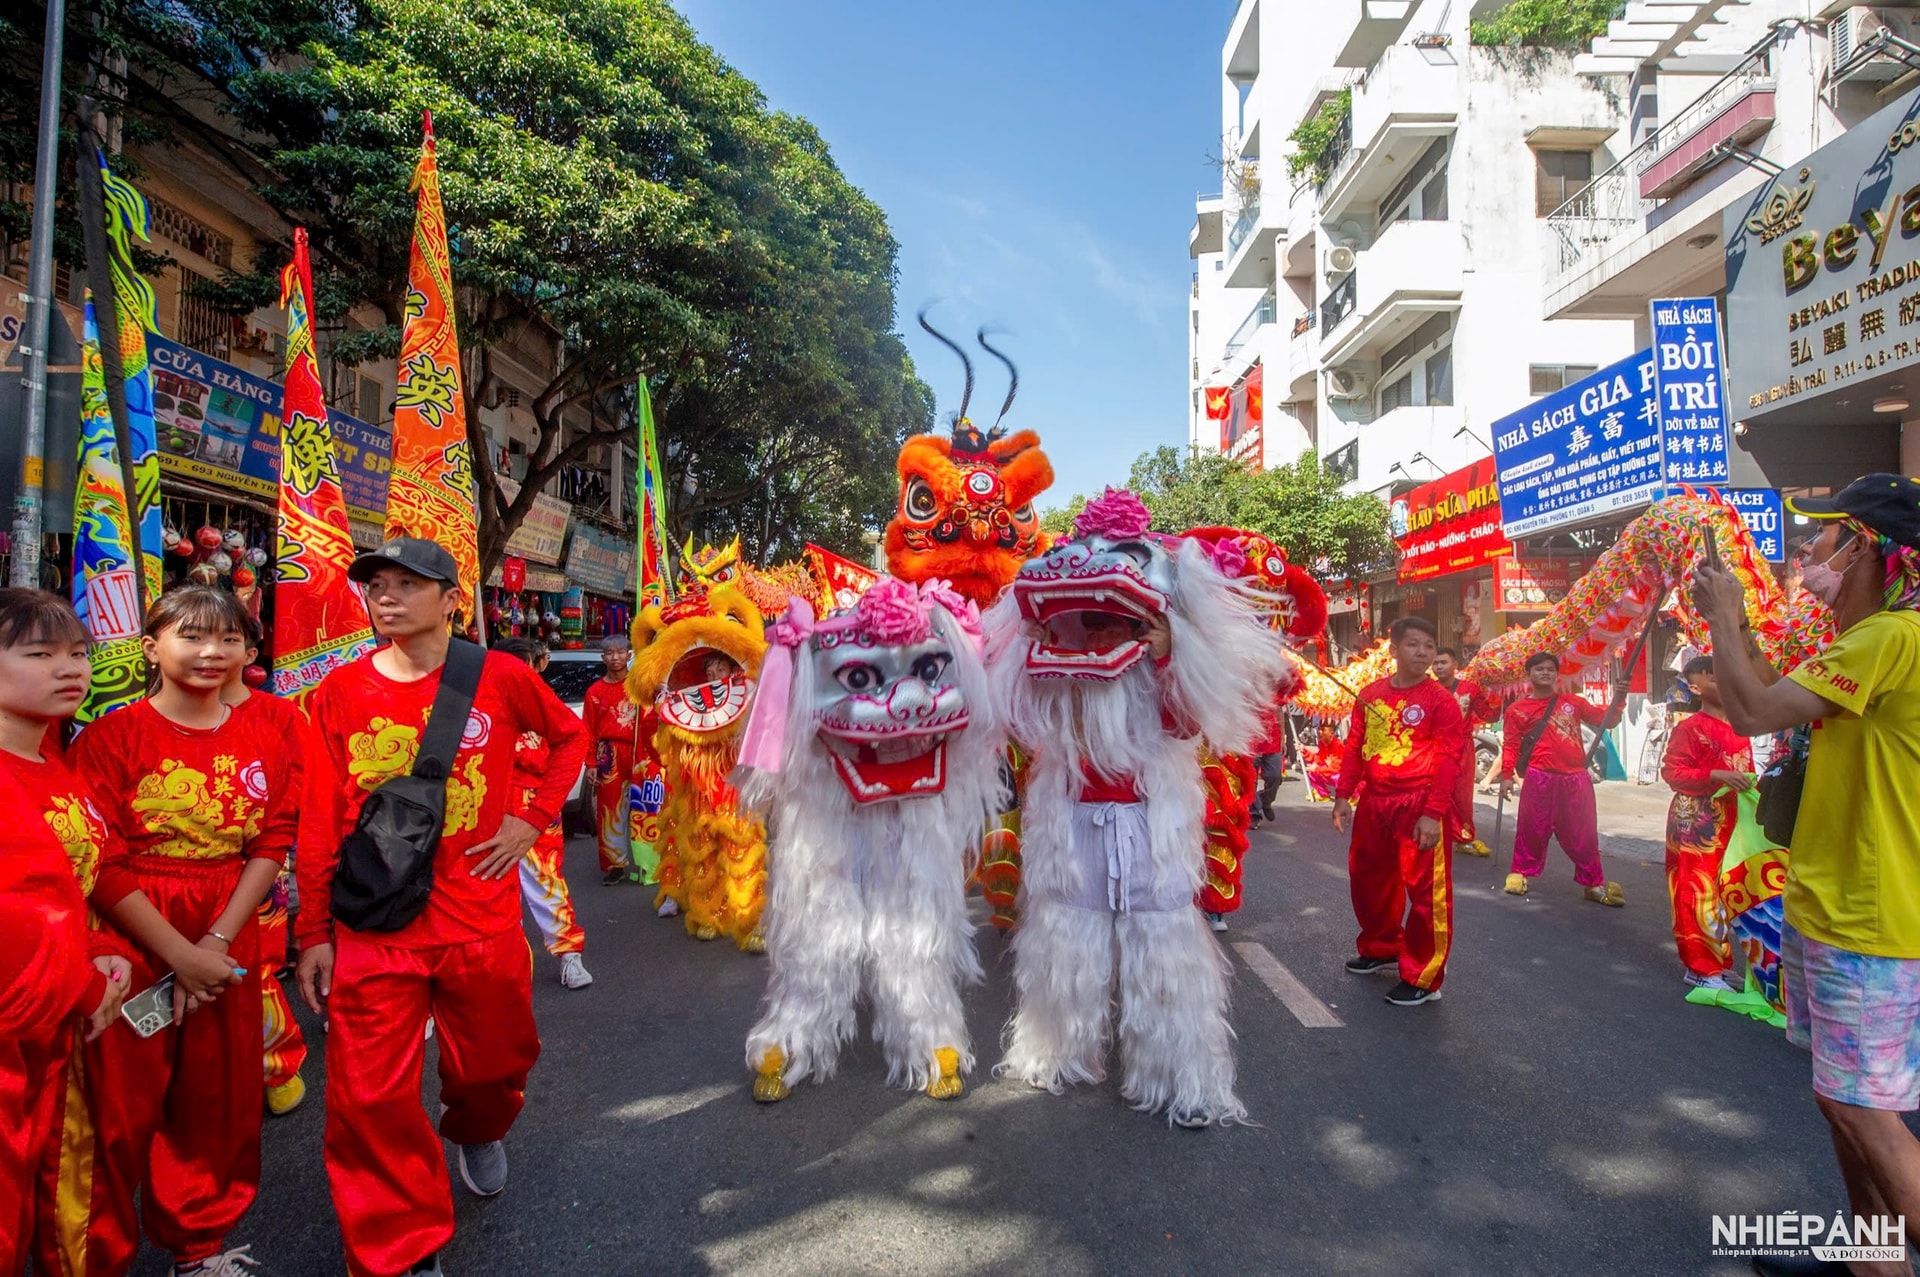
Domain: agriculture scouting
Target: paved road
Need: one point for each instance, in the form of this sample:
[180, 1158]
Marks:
[1562, 1111]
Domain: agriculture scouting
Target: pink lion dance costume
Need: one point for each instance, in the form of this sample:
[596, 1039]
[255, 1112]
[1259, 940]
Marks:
[1115, 814]
[874, 744]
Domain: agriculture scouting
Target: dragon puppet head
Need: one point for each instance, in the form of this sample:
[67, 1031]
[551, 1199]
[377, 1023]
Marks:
[695, 662]
[710, 567]
[879, 692]
[966, 513]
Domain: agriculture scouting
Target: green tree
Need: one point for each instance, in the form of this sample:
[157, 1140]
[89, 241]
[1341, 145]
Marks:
[1547, 24]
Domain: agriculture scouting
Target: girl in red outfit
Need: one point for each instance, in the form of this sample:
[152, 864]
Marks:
[1705, 759]
[55, 968]
[203, 802]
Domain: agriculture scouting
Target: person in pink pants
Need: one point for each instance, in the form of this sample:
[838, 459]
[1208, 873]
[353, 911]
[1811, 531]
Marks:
[1556, 796]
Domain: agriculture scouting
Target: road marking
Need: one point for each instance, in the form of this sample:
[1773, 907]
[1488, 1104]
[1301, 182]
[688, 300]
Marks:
[1296, 997]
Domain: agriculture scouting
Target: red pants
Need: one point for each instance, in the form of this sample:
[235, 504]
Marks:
[1461, 827]
[176, 1116]
[385, 1163]
[1698, 830]
[31, 1072]
[610, 819]
[1402, 896]
[285, 1050]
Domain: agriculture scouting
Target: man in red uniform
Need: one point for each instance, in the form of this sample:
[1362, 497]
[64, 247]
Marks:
[613, 722]
[1476, 707]
[1556, 793]
[463, 961]
[1404, 745]
[1706, 760]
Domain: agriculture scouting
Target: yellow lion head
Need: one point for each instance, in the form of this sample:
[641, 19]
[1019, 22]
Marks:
[696, 661]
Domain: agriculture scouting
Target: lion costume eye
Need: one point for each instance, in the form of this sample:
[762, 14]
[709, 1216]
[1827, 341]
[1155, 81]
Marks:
[1024, 514]
[918, 501]
[858, 677]
[930, 667]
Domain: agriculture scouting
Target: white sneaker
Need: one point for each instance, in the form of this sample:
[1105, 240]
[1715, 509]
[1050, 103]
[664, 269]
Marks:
[1718, 983]
[668, 907]
[573, 972]
[228, 1265]
[1217, 921]
[429, 1036]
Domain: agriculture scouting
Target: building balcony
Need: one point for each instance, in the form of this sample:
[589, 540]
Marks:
[1394, 437]
[1410, 96]
[1735, 111]
[1259, 317]
[1303, 361]
[1242, 62]
[1251, 240]
[1303, 227]
[1414, 270]
[1207, 236]
[1364, 29]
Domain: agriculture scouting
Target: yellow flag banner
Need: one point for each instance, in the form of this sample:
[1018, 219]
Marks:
[430, 491]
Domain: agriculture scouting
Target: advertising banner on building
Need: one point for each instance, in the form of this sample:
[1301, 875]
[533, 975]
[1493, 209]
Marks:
[542, 535]
[1765, 516]
[1581, 453]
[220, 424]
[1687, 373]
[1450, 524]
[1534, 585]
[601, 562]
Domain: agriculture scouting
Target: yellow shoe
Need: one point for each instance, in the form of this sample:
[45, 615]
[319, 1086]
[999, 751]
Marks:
[753, 942]
[769, 1087]
[949, 1084]
[285, 1098]
[1609, 895]
[1474, 848]
[1516, 885]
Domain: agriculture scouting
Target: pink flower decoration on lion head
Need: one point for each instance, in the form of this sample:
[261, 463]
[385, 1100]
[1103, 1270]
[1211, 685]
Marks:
[1115, 514]
[892, 612]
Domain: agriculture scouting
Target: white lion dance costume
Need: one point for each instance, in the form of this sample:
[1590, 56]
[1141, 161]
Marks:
[873, 743]
[1115, 811]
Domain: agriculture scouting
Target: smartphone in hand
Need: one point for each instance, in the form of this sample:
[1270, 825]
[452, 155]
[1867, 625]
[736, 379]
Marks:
[150, 1010]
[1712, 558]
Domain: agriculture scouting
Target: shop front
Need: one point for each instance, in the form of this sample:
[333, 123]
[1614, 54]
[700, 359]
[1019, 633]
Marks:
[1450, 541]
[1823, 311]
[602, 565]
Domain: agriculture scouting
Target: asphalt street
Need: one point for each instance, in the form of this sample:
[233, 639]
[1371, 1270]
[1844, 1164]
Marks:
[1561, 1111]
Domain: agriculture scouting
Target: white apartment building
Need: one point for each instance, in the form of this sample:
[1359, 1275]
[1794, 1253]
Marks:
[1386, 301]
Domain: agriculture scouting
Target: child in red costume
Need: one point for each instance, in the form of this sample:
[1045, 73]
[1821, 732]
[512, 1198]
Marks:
[1705, 757]
[613, 724]
[464, 960]
[1476, 707]
[543, 879]
[202, 802]
[1556, 793]
[1404, 747]
[58, 971]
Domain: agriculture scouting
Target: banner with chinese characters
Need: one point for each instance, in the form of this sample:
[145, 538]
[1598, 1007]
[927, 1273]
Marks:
[841, 581]
[1687, 377]
[106, 583]
[1581, 453]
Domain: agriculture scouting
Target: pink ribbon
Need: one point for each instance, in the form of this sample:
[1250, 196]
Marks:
[765, 744]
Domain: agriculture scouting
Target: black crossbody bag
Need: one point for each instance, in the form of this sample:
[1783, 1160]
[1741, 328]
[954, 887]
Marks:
[1531, 741]
[385, 874]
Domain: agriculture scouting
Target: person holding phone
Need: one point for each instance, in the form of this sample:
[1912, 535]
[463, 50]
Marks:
[202, 804]
[60, 974]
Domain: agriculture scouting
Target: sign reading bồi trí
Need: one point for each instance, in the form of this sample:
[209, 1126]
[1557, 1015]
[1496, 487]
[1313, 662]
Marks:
[1687, 377]
[1823, 277]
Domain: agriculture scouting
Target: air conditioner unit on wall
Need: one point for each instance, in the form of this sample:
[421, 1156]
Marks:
[1338, 260]
[1857, 55]
[1346, 383]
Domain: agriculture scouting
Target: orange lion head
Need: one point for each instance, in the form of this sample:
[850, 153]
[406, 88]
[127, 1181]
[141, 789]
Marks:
[966, 510]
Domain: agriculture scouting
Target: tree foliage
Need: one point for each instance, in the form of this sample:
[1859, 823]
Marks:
[1299, 506]
[610, 184]
[1314, 134]
[1547, 24]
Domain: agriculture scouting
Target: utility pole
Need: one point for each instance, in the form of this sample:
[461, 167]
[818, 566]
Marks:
[29, 502]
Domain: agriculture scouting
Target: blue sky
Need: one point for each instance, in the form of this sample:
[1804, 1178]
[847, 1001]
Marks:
[1038, 163]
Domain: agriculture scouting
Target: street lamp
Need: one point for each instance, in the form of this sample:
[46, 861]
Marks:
[1421, 456]
[1468, 432]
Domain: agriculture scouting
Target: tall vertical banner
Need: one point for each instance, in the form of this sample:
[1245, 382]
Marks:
[651, 504]
[1690, 385]
[430, 490]
[135, 314]
[319, 620]
[106, 587]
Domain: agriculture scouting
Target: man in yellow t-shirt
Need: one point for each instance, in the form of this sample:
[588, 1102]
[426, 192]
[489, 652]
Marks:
[1850, 947]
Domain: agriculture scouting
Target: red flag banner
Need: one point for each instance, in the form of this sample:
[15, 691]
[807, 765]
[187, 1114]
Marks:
[1256, 389]
[841, 581]
[1219, 402]
[319, 620]
[430, 490]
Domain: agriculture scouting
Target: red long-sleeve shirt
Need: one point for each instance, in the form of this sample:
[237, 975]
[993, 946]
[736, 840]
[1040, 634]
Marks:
[1561, 748]
[1700, 746]
[1477, 705]
[1404, 738]
[230, 792]
[48, 862]
[368, 728]
[610, 715]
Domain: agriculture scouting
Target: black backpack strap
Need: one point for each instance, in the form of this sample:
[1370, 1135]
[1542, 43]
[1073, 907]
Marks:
[1531, 740]
[459, 680]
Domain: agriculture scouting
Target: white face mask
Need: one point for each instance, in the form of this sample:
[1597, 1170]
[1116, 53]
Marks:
[1822, 581]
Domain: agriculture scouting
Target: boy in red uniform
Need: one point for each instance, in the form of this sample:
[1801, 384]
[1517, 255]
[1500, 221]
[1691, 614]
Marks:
[1404, 745]
[543, 879]
[58, 971]
[202, 804]
[1475, 708]
[464, 960]
[1556, 794]
[1704, 757]
[612, 724]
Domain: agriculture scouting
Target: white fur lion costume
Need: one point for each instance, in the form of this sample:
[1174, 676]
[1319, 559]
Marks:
[873, 743]
[1114, 819]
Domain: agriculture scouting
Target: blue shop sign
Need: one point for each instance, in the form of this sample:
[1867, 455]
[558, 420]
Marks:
[1581, 452]
[1765, 516]
[1691, 390]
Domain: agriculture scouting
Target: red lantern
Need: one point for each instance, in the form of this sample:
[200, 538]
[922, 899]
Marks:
[513, 574]
[183, 548]
[208, 538]
[253, 676]
[242, 578]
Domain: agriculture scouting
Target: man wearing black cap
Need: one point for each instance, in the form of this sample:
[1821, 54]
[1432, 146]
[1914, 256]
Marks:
[1850, 949]
[463, 961]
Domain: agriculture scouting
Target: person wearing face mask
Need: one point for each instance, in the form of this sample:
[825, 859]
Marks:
[1850, 947]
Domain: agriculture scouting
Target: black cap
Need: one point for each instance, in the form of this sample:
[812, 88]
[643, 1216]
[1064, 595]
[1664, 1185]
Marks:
[420, 557]
[1887, 503]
